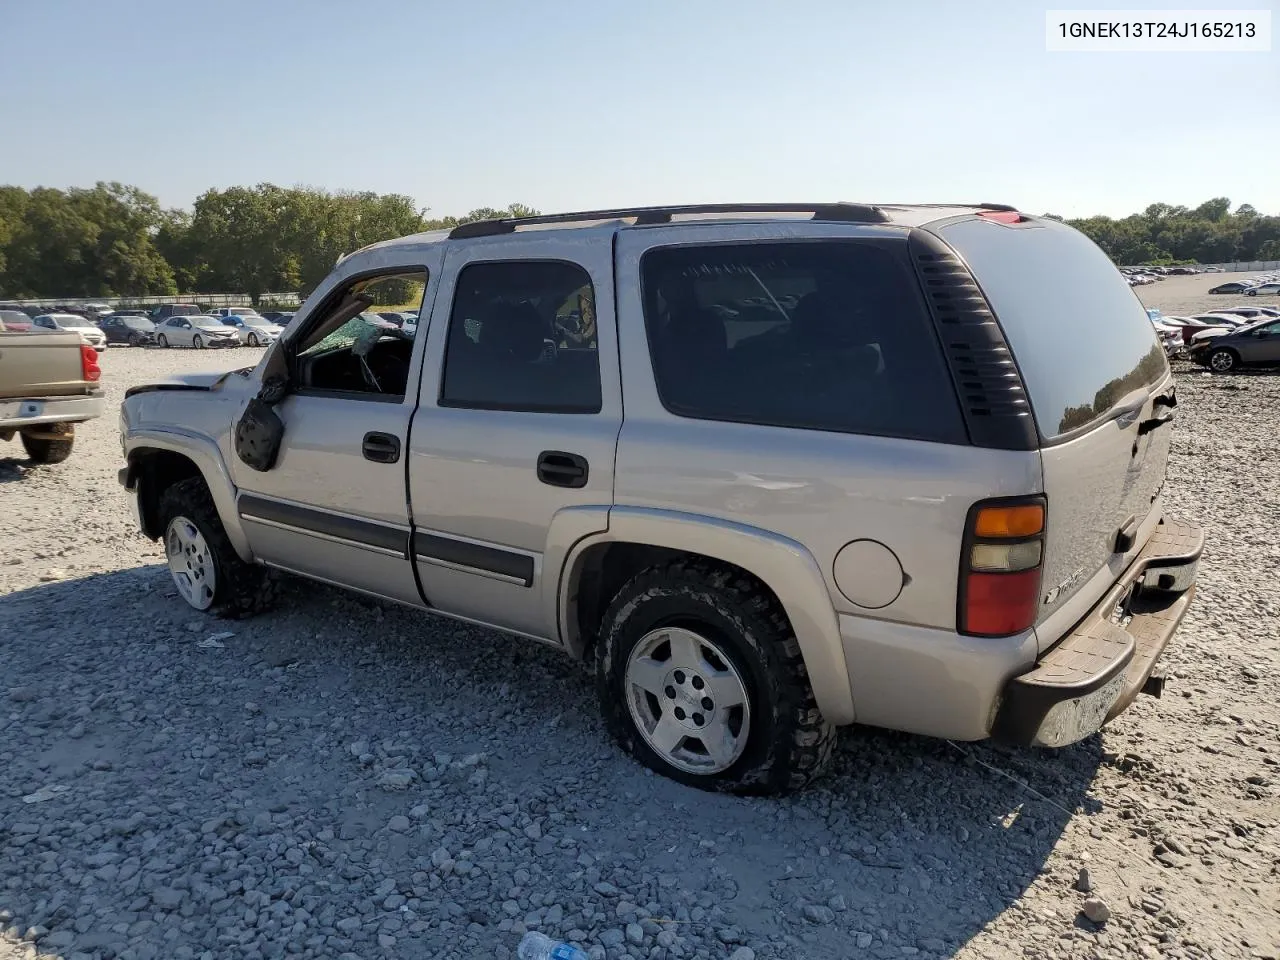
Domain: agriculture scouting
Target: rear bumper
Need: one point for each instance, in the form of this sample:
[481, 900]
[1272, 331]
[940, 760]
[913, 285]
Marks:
[1094, 673]
[20, 414]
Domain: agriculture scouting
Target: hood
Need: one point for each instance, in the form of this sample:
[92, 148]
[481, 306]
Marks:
[182, 381]
[1209, 334]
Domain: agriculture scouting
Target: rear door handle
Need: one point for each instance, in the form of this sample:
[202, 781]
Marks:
[381, 447]
[562, 469]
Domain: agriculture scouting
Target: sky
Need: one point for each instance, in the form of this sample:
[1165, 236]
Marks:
[582, 104]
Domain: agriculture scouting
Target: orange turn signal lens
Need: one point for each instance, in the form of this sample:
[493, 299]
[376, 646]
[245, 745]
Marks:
[1024, 520]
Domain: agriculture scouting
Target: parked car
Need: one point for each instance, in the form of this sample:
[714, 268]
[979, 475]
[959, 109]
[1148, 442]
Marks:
[253, 330]
[1254, 345]
[198, 332]
[746, 568]
[233, 312]
[96, 311]
[126, 328]
[1235, 286]
[88, 331]
[1248, 313]
[15, 321]
[167, 310]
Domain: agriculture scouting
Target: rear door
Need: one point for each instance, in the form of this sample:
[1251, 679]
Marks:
[1100, 388]
[511, 457]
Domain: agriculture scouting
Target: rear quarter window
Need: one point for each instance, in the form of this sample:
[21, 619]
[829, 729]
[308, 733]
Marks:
[1079, 334]
[815, 335]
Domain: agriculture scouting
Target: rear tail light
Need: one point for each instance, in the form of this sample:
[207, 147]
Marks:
[1000, 567]
[89, 369]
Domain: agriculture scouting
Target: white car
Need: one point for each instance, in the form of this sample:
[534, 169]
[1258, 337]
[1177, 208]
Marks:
[1268, 289]
[69, 321]
[198, 332]
[252, 329]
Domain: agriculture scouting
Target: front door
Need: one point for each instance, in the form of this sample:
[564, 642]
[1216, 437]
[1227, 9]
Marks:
[1261, 345]
[512, 453]
[334, 505]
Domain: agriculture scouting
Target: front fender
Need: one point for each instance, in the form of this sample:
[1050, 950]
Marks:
[783, 564]
[204, 453]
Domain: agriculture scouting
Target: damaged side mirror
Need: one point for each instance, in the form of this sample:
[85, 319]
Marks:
[260, 431]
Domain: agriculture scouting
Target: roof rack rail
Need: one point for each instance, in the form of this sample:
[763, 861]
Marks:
[837, 212]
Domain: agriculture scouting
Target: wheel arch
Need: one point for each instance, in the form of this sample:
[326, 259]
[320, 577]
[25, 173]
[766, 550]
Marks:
[641, 537]
[157, 461]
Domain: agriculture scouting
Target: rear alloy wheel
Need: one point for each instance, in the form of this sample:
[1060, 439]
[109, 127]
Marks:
[1222, 361]
[701, 679]
[209, 574]
[162, 340]
[198, 342]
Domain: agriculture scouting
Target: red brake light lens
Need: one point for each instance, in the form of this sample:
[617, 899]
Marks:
[89, 369]
[1000, 567]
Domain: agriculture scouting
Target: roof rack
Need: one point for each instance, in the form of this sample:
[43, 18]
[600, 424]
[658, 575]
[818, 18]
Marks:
[838, 212]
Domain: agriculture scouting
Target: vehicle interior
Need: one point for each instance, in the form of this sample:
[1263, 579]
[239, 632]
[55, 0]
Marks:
[353, 350]
[523, 336]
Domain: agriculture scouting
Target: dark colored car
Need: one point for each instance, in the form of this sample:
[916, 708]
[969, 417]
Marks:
[279, 317]
[126, 328]
[167, 310]
[1253, 345]
[1235, 286]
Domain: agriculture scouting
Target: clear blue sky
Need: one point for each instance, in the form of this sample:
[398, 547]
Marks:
[568, 104]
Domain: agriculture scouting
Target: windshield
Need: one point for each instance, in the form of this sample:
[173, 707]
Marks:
[72, 323]
[243, 312]
[208, 323]
[255, 321]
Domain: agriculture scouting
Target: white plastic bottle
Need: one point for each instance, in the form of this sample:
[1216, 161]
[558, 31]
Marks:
[537, 946]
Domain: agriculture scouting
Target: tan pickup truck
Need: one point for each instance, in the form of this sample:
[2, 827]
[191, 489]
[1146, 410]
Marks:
[48, 383]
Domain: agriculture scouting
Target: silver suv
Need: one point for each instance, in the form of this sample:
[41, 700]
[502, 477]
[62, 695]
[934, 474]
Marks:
[772, 469]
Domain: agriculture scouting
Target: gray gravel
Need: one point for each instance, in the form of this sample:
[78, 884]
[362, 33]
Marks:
[341, 778]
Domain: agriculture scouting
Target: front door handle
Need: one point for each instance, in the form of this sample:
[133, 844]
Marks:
[381, 447]
[562, 469]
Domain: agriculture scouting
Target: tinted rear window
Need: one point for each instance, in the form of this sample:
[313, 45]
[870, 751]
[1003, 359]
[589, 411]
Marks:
[1080, 336]
[819, 335]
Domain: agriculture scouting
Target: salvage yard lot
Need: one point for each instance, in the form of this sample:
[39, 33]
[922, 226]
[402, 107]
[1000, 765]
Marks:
[343, 777]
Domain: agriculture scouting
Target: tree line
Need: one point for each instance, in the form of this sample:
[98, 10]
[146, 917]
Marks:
[116, 240]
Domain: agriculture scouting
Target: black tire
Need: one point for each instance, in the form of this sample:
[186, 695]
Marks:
[789, 743]
[1223, 360]
[162, 340]
[43, 450]
[135, 340]
[242, 589]
[253, 339]
[197, 341]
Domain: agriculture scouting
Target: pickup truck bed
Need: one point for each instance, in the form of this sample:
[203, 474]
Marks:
[48, 383]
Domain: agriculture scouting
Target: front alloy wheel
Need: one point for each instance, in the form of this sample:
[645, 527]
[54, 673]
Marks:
[253, 340]
[190, 563]
[198, 342]
[1222, 361]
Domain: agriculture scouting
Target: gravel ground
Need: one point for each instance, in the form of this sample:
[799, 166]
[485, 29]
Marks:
[1187, 295]
[341, 778]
